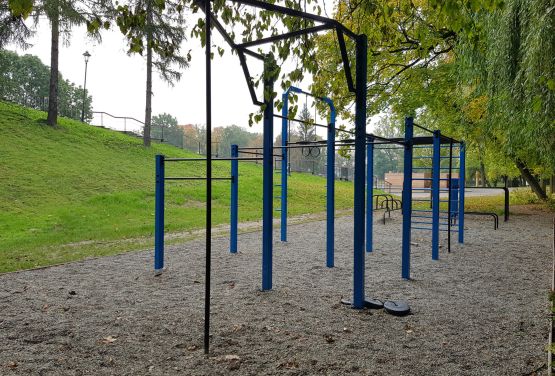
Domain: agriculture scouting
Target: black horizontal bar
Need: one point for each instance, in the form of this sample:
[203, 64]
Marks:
[296, 13]
[194, 178]
[214, 159]
[292, 34]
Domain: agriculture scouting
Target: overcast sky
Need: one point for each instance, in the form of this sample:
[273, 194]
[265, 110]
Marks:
[117, 81]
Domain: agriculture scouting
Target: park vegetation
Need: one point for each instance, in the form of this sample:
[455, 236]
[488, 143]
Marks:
[25, 80]
[480, 70]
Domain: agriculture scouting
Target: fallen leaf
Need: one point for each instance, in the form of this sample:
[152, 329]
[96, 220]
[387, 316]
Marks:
[109, 339]
[12, 365]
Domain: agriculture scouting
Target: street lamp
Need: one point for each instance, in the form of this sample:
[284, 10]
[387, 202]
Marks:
[86, 55]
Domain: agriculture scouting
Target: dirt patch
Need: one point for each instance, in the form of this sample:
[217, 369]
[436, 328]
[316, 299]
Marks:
[481, 309]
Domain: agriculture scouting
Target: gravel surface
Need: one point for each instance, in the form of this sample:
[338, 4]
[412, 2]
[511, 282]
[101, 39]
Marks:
[480, 310]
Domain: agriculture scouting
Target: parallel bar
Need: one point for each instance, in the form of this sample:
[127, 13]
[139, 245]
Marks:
[369, 195]
[407, 200]
[159, 217]
[196, 178]
[214, 159]
[359, 180]
[234, 201]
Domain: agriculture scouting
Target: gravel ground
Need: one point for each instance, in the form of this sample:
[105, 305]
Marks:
[480, 310]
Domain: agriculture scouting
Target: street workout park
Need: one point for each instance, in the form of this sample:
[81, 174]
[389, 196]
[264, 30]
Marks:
[428, 291]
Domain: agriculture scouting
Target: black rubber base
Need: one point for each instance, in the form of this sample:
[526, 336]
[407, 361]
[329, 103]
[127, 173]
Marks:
[396, 307]
[369, 303]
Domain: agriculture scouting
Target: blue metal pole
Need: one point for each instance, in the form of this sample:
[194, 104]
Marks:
[407, 199]
[462, 183]
[369, 193]
[268, 174]
[436, 165]
[330, 187]
[159, 216]
[359, 180]
[284, 165]
[234, 202]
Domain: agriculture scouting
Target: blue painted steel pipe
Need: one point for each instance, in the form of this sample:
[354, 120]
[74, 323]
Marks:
[369, 193]
[330, 187]
[234, 199]
[462, 182]
[159, 216]
[268, 174]
[436, 165]
[284, 164]
[407, 198]
[359, 180]
[330, 172]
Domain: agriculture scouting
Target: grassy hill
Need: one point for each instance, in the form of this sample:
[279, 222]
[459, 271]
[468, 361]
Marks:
[75, 191]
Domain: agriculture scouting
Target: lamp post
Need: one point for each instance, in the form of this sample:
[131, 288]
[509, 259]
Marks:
[86, 55]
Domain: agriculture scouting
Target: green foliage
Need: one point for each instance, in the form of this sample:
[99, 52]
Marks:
[157, 24]
[77, 191]
[164, 127]
[25, 80]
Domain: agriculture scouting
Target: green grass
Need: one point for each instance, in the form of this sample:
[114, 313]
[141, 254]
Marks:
[77, 191]
[95, 187]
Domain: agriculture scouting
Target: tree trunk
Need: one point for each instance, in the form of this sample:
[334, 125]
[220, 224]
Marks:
[485, 181]
[54, 54]
[552, 185]
[148, 107]
[529, 177]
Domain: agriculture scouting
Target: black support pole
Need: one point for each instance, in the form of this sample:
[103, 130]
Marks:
[208, 262]
[360, 172]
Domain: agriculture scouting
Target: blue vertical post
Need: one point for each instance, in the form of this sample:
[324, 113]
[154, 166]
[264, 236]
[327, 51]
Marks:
[359, 181]
[159, 216]
[330, 187]
[369, 193]
[436, 174]
[462, 182]
[234, 201]
[407, 199]
[268, 173]
[284, 165]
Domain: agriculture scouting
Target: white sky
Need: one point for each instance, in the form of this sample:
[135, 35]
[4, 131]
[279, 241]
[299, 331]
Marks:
[117, 80]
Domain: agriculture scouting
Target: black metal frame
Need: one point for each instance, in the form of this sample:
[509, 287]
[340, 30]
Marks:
[360, 125]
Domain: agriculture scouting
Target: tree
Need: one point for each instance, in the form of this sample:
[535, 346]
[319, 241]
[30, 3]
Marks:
[63, 16]
[165, 128]
[155, 28]
[306, 129]
[25, 80]
[481, 71]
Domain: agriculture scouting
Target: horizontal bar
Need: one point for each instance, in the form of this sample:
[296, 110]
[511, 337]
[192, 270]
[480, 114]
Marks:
[297, 13]
[195, 178]
[429, 223]
[214, 159]
[292, 34]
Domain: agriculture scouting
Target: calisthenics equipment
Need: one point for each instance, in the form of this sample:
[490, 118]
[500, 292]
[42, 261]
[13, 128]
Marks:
[161, 178]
